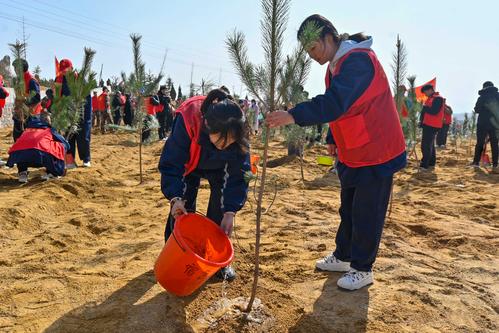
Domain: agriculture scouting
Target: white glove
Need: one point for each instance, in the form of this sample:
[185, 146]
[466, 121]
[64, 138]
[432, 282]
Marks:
[177, 207]
[227, 223]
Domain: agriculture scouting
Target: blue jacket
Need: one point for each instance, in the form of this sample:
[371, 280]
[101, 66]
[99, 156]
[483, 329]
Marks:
[354, 78]
[229, 161]
[34, 87]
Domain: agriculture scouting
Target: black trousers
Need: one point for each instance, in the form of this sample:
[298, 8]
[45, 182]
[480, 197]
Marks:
[215, 213]
[17, 130]
[161, 116]
[81, 140]
[442, 135]
[482, 131]
[428, 146]
[363, 209]
[117, 116]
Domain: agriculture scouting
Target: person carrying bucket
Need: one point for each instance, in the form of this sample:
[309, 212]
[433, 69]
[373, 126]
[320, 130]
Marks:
[209, 140]
[361, 112]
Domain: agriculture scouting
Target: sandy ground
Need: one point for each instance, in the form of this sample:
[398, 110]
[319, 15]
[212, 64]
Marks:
[76, 254]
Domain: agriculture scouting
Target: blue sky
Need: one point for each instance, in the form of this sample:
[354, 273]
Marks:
[455, 41]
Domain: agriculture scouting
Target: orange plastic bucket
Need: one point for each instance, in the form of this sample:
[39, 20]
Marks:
[195, 251]
[254, 159]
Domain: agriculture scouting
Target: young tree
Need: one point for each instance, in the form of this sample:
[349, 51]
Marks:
[21, 111]
[205, 86]
[414, 109]
[399, 68]
[264, 82]
[141, 85]
[67, 111]
[180, 96]
[173, 93]
[36, 72]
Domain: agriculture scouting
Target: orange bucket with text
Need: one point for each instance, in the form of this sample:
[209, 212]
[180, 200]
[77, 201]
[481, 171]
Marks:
[195, 251]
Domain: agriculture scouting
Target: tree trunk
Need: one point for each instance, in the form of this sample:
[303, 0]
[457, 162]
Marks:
[258, 220]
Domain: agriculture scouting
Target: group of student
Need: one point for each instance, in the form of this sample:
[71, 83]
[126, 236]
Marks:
[119, 108]
[36, 143]
[210, 140]
[436, 118]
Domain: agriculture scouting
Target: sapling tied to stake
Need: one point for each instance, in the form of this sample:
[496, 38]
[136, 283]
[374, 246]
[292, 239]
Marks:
[264, 82]
[141, 85]
[21, 110]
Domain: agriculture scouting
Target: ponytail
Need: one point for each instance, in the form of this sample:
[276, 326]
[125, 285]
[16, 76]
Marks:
[327, 28]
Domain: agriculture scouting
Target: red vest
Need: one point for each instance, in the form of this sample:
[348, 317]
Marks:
[95, 103]
[2, 100]
[369, 133]
[191, 113]
[37, 108]
[151, 109]
[102, 101]
[434, 120]
[41, 139]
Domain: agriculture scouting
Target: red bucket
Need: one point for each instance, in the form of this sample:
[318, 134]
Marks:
[195, 251]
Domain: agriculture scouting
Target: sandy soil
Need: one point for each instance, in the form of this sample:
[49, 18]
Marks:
[76, 254]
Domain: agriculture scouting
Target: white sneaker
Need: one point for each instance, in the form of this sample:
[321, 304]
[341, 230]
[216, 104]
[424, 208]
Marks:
[48, 176]
[23, 177]
[475, 166]
[87, 164]
[332, 264]
[71, 166]
[354, 279]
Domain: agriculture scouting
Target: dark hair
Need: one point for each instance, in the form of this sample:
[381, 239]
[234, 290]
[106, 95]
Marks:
[105, 88]
[327, 28]
[487, 84]
[24, 63]
[221, 115]
[426, 87]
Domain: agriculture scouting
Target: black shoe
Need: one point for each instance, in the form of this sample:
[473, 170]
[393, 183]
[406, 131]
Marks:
[226, 273]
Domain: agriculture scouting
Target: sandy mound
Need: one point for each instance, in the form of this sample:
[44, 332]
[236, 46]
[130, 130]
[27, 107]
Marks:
[76, 254]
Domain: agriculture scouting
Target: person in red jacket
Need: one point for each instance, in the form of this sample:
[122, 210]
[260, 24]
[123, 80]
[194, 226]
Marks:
[95, 110]
[431, 121]
[359, 107]
[442, 133]
[105, 115]
[4, 93]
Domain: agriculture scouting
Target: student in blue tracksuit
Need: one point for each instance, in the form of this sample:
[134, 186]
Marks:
[81, 138]
[208, 141]
[368, 139]
[39, 146]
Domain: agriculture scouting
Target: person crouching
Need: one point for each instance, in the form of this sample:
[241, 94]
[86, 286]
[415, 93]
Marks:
[39, 146]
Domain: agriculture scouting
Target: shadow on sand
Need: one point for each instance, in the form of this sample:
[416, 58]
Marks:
[336, 310]
[121, 312]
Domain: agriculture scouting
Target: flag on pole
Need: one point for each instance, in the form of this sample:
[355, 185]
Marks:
[56, 67]
[419, 94]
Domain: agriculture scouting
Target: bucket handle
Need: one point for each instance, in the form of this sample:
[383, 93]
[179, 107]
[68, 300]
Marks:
[178, 243]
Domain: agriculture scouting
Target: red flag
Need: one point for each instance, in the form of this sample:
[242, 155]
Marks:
[56, 67]
[419, 94]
